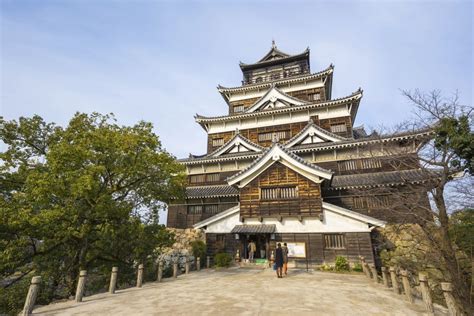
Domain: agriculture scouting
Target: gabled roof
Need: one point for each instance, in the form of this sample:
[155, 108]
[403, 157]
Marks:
[353, 215]
[237, 144]
[274, 98]
[218, 216]
[275, 56]
[311, 134]
[277, 153]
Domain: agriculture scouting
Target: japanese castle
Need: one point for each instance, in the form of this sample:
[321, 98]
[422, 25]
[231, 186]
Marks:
[287, 164]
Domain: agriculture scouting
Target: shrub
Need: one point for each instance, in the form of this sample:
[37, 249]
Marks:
[326, 267]
[341, 264]
[199, 249]
[223, 260]
[357, 267]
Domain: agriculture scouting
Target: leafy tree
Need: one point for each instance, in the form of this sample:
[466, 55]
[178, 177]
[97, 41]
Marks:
[82, 197]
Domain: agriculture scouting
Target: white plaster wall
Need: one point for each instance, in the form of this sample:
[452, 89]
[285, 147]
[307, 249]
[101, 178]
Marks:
[333, 223]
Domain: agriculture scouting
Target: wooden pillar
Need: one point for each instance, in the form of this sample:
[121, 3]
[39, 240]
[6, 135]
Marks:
[31, 296]
[448, 296]
[385, 276]
[425, 292]
[198, 264]
[374, 273]
[81, 285]
[393, 277]
[208, 262]
[160, 271]
[175, 269]
[186, 266]
[140, 275]
[406, 286]
[113, 280]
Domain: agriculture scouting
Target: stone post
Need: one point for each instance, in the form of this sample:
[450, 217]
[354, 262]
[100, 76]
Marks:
[186, 266]
[367, 270]
[81, 285]
[198, 263]
[393, 277]
[425, 292]
[32, 294]
[448, 296]
[385, 276]
[362, 263]
[208, 262]
[113, 280]
[175, 270]
[140, 275]
[406, 286]
[374, 273]
[160, 271]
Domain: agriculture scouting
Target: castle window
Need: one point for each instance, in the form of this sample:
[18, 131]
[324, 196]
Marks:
[197, 178]
[316, 96]
[370, 202]
[194, 209]
[211, 209]
[263, 137]
[212, 177]
[201, 178]
[258, 80]
[334, 241]
[278, 193]
[217, 142]
[359, 164]
[238, 108]
[339, 128]
[220, 242]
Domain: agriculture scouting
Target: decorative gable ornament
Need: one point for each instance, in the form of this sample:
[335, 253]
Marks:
[313, 134]
[237, 144]
[274, 98]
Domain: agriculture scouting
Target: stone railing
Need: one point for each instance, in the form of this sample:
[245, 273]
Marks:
[397, 279]
[82, 281]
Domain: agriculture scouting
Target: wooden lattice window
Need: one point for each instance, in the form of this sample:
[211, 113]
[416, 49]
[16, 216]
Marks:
[211, 209]
[197, 178]
[359, 202]
[378, 201]
[359, 164]
[315, 96]
[268, 136]
[194, 209]
[277, 193]
[238, 108]
[217, 142]
[220, 242]
[339, 128]
[212, 177]
[371, 163]
[334, 241]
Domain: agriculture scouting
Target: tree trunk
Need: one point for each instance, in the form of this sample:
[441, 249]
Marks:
[461, 289]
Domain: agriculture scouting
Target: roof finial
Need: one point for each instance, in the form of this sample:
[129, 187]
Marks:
[273, 43]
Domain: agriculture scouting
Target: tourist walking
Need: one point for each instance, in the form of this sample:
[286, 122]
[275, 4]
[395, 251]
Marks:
[285, 258]
[252, 248]
[279, 260]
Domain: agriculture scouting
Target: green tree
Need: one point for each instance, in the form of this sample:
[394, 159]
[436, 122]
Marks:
[85, 196]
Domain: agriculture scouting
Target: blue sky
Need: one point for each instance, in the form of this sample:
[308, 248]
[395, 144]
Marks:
[161, 61]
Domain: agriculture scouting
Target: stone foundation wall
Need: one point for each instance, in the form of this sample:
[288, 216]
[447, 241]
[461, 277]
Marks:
[181, 249]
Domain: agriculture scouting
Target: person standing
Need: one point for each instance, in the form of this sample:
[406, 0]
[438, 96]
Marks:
[285, 258]
[279, 260]
[252, 248]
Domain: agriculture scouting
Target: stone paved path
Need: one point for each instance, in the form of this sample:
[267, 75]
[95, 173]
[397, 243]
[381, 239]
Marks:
[246, 292]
